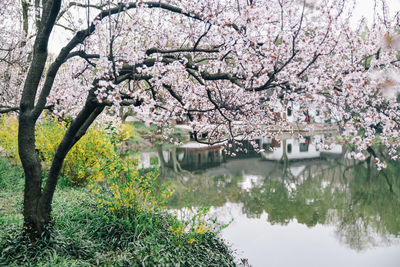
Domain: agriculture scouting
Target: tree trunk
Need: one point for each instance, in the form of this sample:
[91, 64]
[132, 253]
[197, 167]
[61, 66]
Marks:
[176, 165]
[34, 218]
[37, 201]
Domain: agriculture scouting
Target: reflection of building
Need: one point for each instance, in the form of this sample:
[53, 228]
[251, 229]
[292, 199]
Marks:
[193, 158]
[297, 148]
[148, 159]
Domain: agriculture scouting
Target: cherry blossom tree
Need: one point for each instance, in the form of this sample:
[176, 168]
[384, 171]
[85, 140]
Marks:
[226, 68]
[13, 54]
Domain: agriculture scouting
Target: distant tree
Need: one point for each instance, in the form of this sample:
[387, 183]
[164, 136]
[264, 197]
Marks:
[222, 66]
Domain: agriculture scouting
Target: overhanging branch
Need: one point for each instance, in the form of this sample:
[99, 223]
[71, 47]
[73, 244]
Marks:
[4, 110]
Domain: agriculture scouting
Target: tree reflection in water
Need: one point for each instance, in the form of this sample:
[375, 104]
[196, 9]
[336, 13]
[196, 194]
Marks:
[362, 203]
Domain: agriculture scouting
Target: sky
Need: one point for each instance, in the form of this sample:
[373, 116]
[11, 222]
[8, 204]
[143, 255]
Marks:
[366, 8]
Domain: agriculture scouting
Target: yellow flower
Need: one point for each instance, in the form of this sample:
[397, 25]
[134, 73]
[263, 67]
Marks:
[200, 229]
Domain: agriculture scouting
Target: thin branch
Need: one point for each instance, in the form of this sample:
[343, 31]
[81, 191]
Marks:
[181, 50]
[204, 34]
[64, 27]
[309, 64]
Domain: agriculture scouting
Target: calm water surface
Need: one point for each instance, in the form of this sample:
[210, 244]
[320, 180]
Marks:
[298, 205]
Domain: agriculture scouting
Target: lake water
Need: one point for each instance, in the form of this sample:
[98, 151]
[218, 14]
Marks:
[297, 205]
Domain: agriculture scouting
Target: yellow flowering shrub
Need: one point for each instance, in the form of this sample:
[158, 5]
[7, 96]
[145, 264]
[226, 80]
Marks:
[115, 181]
[9, 137]
[93, 158]
[129, 190]
[191, 230]
[49, 133]
[125, 132]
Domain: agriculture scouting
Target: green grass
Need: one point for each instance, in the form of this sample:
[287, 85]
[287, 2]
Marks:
[83, 235]
[11, 182]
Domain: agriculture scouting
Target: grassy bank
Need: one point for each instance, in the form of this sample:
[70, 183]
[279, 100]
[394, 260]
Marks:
[85, 235]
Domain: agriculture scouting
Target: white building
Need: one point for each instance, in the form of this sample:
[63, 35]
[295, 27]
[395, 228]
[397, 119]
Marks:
[297, 148]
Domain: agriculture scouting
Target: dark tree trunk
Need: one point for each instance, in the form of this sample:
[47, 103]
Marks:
[37, 201]
[34, 219]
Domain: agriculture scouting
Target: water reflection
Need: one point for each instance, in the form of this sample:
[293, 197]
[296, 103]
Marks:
[298, 181]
